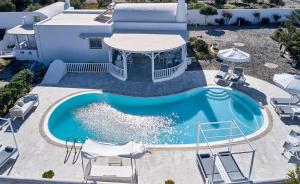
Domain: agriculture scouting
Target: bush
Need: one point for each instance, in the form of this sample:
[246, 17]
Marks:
[227, 16]
[19, 86]
[277, 2]
[220, 21]
[240, 21]
[21, 4]
[48, 174]
[220, 3]
[256, 15]
[276, 17]
[201, 49]
[7, 6]
[264, 21]
[249, 1]
[169, 182]
[33, 7]
[195, 5]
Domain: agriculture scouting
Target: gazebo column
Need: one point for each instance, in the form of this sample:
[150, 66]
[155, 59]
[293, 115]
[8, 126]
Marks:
[183, 53]
[110, 55]
[152, 65]
[124, 56]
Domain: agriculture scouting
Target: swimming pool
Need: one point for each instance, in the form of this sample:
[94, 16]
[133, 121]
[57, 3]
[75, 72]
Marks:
[170, 119]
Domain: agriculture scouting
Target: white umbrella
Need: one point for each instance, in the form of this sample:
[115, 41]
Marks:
[288, 82]
[234, 55]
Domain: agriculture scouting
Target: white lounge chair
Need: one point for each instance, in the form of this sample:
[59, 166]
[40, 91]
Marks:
[24, 105]
[290, 147]
[293, 100]
[288, 111]
[6, 154]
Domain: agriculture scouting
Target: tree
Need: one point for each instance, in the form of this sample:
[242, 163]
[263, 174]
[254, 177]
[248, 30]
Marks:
[208, 11]
[294, 176]
[33, 7]
[77, 4]
[220, 3]
[46, 2]
[102, 3]
[295, 17]
[256, 16]
[7, 6]
[21, 4]
[276, 17]
[227, 16]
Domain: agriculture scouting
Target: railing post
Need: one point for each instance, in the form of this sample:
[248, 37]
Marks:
[152, 65]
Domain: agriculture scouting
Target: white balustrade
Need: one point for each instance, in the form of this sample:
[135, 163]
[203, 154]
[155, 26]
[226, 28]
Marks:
[168, 73]
[117, 72]
[88, 67]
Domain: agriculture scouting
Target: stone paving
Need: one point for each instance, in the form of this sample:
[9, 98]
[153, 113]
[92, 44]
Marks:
[37, 155]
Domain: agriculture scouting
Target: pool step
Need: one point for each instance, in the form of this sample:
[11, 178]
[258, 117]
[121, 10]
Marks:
[217, 94]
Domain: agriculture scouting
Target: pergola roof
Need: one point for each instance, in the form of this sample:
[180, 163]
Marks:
[21, 30]
[145, 43]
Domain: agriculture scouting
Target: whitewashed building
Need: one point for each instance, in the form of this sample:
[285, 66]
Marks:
[107, 40]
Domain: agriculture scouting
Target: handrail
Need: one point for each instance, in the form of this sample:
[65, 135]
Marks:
[117, 71]
[168, 72]
[68, 153]
[76, 156]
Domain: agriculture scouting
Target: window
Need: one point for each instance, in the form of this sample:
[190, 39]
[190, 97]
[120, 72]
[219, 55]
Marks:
[95, 43]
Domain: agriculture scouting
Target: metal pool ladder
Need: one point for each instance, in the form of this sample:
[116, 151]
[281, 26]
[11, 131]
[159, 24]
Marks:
[73, 147]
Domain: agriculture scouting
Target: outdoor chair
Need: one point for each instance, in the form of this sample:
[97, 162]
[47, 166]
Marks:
[237, 78]
[294, 160]
[223, 71]
[24, 105]
[288, 111]
[290, 147]
[6, 154]
[293, 100]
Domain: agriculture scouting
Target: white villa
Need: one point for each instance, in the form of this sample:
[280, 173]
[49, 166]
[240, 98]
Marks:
[107, 40]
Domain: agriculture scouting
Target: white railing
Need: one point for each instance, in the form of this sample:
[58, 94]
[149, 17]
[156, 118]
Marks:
[7, 54]
[117, 72]
[168, 73]
[87, 67]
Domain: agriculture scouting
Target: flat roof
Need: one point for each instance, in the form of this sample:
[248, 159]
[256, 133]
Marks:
[77, 19]
[144, 43]
[21, 30]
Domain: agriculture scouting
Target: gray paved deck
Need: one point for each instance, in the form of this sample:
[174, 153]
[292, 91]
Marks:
[37, 155]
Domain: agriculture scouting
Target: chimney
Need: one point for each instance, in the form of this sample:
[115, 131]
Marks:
[181, 14]
[67, 4]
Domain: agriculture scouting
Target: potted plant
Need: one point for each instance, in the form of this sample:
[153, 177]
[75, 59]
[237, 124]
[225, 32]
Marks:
[48, 174]
[169, 182]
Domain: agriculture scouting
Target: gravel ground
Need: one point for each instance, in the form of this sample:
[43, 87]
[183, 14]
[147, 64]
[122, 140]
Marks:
[255, 41]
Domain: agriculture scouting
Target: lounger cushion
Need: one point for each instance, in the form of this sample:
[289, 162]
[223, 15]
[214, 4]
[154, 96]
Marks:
[285, 101]
[221, 74]
[231, 166]
[20, 103]
[206, 162]
[6, 153]
[284, 110]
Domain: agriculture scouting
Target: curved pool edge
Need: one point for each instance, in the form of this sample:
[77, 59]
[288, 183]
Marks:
[46, 134]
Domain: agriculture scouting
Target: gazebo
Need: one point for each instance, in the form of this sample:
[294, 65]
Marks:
[165, 50]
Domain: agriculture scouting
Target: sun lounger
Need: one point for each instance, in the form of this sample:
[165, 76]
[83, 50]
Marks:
[223, 71]
[294, 100]
[288, 111]
[205, 164]
[6, 154]
[290, 147]
[294, 160]
[23, 106]
[231, 167]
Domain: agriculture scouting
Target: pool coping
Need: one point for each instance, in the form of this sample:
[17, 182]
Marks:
[261, 132]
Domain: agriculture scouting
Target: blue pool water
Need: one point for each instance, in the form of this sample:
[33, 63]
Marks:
[159, 120]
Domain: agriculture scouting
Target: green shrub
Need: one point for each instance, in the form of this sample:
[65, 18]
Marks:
[277, 2]
[256, 15]
[220, 3]
[48, 174]
[240, 21]
[227, 16]
[195, 5]
[19, 86]
[265, 21]
[7, 6]
[169, 182]
[201, 49]
[220, 21]
[249, 1]
[294, 176]
[276, 17]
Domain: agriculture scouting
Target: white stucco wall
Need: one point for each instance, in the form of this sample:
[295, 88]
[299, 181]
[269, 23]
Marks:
[194, 17]
[63, 42]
